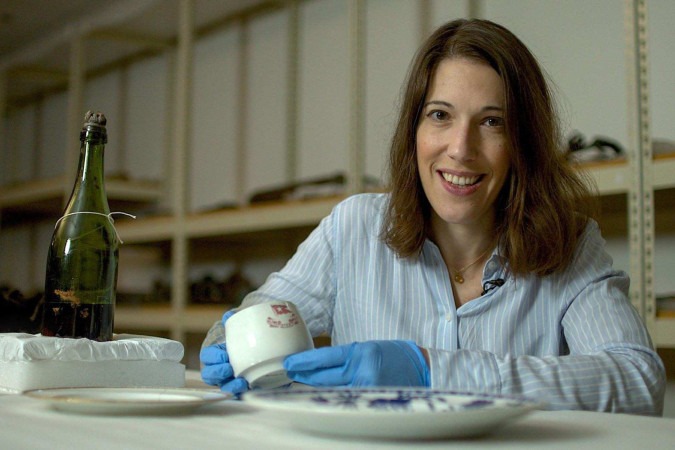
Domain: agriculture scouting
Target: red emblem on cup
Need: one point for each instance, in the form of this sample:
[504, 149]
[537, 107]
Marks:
[280, 310]
[290, 319]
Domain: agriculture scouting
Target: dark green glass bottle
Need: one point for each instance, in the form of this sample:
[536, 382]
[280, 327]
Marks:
[81, 279]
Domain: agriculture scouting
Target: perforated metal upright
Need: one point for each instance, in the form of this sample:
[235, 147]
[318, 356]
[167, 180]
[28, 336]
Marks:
[3, 116]
[292, 87]
[179, 172]
[641, 193]
[357, 88]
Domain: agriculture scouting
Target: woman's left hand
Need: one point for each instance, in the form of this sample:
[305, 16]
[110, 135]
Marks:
[370, 363]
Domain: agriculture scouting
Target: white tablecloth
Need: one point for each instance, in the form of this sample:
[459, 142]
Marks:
[27, 423]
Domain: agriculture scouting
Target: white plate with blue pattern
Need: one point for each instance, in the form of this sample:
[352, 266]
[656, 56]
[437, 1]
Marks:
[392, 413]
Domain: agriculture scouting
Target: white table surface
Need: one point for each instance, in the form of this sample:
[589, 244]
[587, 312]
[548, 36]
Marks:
[27, 423]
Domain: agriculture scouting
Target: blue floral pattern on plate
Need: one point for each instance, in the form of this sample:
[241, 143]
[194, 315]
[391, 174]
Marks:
[392, 412]
[399, 400]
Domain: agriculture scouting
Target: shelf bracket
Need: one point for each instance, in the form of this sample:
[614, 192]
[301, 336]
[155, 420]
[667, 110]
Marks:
[641, 198]
[357, 50]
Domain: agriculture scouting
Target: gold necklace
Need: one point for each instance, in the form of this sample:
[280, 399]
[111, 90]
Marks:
[458, 273]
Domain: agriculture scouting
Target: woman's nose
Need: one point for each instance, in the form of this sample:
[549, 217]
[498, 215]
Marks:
[462, 143]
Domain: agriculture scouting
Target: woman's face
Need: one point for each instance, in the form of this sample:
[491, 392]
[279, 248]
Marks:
[462, 150]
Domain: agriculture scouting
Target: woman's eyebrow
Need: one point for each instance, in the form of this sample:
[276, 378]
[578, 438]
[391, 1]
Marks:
[451, 106]
[438, 102]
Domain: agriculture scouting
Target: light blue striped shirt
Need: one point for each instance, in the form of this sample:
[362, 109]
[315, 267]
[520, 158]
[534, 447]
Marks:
[571, 340]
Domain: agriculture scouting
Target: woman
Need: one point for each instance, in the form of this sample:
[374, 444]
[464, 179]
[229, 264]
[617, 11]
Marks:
[482, 268]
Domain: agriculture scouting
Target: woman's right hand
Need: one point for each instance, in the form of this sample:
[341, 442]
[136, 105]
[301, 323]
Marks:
[216, 367]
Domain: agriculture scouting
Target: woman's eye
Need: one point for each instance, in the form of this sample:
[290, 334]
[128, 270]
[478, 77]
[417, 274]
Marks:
[494, 122]
[438, 115]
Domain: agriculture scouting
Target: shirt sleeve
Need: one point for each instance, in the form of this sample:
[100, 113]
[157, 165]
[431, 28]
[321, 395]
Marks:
[609, 363]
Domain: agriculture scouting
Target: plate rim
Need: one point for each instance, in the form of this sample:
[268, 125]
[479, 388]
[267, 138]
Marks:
[202, 396]
[407, 425]
[266, 399]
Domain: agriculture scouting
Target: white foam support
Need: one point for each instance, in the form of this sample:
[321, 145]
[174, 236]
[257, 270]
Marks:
[17, 377]
[37, 362]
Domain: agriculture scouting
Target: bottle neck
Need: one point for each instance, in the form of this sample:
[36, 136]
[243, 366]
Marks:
[89, 190]
[91, 161]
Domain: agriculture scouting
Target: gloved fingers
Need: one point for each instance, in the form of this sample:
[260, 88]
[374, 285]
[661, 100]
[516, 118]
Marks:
[319, 358]
[227, 315]
[370, 363]
[332, 376]
[214, 354]
[216, 374]
[236, 386]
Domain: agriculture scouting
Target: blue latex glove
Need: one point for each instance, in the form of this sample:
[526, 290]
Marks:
[370, 363]
[217, 369]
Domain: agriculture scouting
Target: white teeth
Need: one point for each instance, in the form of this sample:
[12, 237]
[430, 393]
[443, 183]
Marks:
[459, 181]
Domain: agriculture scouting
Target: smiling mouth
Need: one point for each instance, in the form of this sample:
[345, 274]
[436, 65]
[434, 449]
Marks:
[460, 181]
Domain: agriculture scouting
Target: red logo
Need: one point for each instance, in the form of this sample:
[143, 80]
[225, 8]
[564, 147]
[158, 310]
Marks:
[289, 319]
[280, 310]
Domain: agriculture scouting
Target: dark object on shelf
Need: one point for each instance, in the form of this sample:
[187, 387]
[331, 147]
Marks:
[207, 290]
[236, 287]
[230, 291]
[160, 294]
[662, 146]
[665, 305]
[220, 206]
[601, 149]
[20, 314]
[311, 188]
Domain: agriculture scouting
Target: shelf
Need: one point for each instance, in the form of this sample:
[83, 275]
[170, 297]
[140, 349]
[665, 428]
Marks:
[262, 217]
[663, 172]
[123, 34]
[664, 332]
[46, 197]
[194, 318]
[611, 177]
[37, 191]
[144, 230]
[150, 318]
[259, 218]
[116, 35]
[199, 318]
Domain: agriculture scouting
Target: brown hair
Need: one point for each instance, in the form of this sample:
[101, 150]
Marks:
[544, 205]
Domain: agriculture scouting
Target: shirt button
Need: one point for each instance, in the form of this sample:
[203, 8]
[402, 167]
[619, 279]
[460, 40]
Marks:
[448, 317]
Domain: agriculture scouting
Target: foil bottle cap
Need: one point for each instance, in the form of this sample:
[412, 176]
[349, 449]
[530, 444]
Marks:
[94, 124]
[95, 118]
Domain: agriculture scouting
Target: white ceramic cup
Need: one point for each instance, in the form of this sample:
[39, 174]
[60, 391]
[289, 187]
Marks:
[259, 337]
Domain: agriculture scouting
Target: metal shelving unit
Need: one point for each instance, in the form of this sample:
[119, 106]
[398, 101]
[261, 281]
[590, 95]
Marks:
[638, 178]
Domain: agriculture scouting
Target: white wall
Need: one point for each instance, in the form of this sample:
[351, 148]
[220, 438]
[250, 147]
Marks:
[579, 43]
[265, 119]
[22, 144]
[147, 118]
[48, 158]
[323, 94]
[107, 94]
[662, 107]
[384, 74]
[662, 67]
[214, 120]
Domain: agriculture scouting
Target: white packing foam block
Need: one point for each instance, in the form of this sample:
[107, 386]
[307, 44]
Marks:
[16, 377]
[38, 362]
